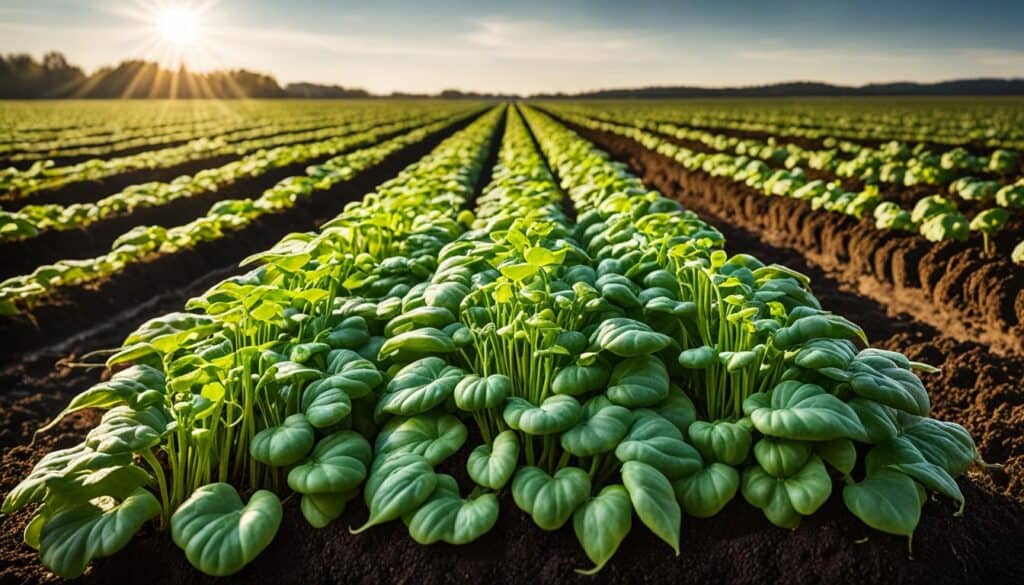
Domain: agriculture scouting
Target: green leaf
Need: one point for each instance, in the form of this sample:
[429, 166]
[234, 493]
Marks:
[219, 533]
[782, 457]
[654, 501]
[901, 454]
[124, 388]
[793, 410]
[575, 379]
[447, 517]
[603, 426]
[420, 387]
[698, 358]
[474, 393]
[322, 509]
[421, 341]
[880, 422]
[491, 466]
[839, 453]
[325, 405]
[76, 535]
[656, 442]
[125, 430]
[678, 409]
[725, 441]
[434, 436]
[284, 445]
[628, 338]
[541, 257]
[784, 500]
[878, 378]
[556, 414]
[76, 460]
[886, 501]
[397, 485]
[704, 493]
[550, 501]
[942, 443]
[637, 382]
[337, 464]
[602, 523]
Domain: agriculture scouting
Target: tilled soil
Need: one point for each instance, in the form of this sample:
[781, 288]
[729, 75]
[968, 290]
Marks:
[976, 388]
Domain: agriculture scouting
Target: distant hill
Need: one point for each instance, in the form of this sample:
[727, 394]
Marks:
[992, 87]
[22, 77]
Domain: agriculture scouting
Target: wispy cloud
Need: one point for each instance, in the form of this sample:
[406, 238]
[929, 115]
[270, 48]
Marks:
[534, 39]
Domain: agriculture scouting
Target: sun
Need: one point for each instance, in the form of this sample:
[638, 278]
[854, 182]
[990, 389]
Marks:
[178, 25]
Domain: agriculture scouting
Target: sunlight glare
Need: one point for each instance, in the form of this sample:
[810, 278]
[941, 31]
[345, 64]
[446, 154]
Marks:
[178, 25]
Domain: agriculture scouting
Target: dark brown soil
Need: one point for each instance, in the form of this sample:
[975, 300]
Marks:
[976, 388]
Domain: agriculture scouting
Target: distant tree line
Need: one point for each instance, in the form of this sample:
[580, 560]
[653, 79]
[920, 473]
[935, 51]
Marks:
[23, 77]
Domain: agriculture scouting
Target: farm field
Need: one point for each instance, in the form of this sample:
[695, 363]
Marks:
[495, 341]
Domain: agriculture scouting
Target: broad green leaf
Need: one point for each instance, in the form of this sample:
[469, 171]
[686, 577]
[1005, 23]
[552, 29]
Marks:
[556, 414]
[575, 380]
[678, 409]
[654, 501]
[325, 405]
[397, 485]
[628, 338]
[878, 378]
[704, 493]
[880, 422]
[724, 441]
[123, 429]
[76, 535]
[322, 509]
[886, 501]
[651, 440]
[420, 387]
[491, 466]
[550, 501]
[945, 444]
[337, 464]
[425, 340]
[782, 457]
[603, 425]
[475, 393]
[74, 461]
[793, 410]
[602, 523]
[638, 382]
[785, 501]
[219, 533]
[434, 436]
[284, 445]
[839, 453]
[447, 517]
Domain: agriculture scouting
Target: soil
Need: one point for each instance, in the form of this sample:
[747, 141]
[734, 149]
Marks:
[976, 388]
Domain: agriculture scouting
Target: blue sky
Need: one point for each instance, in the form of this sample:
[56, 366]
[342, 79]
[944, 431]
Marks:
[533, 46]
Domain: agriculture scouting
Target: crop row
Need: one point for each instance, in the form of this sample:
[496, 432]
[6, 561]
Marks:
[41, 176]
[620, 365]
[20, 294]
[992, 124]
[31, 220]
[937, 217]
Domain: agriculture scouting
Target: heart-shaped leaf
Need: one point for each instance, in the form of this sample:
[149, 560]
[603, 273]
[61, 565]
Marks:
[793, 410]
[550, 501]
[878, 378]
[434, 436]
[654, 500]
[284, 445]
[126, 430]
[575, 380]
[704, 493]
[604, 424]
[219, 533]
[887, 500]
[397, 485]
[325, 405]
[556, 414]
[447, 517]
[337, 464]
[782, 457]
[76, 535]
[784, 500]
[628, 338]
[475, 393]
[420, 387]
[602, 523]
[724, 441]
[322, 509]
[491, 466]
[637, 382]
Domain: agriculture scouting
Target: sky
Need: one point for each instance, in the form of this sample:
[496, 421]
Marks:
[531, 46]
